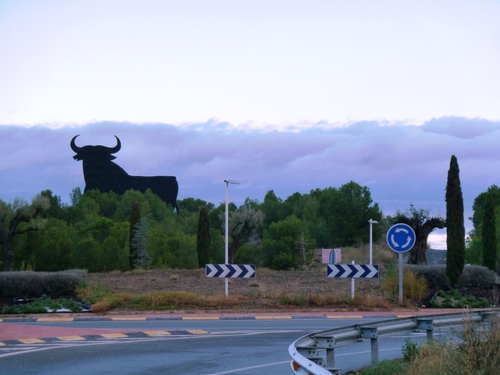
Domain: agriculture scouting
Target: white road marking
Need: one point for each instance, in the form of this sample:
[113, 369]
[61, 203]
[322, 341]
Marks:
[249, 368]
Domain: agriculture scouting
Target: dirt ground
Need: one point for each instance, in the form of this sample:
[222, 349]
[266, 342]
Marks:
[267, 286]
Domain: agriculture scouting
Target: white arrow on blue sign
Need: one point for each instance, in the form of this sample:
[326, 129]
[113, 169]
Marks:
[401, 237]
[246, 271]
[363, 271]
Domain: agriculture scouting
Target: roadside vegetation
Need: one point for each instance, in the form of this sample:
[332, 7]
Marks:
[41, 289]
[474, 350]
[135, 232]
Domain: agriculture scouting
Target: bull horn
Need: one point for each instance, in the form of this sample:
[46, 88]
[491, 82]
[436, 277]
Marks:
[74, 147]
[117, 147]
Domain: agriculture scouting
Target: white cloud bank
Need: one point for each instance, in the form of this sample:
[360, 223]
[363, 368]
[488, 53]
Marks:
[401, 164]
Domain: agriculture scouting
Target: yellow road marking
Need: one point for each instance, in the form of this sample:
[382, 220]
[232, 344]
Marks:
[113, 335]
[157, 333]
[71, 338]
[136, 319]
[197, 331]
[54, 319]
[31, 341]
[200, 318]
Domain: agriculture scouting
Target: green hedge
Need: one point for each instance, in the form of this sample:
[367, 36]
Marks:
[35, 284]
[472, 276]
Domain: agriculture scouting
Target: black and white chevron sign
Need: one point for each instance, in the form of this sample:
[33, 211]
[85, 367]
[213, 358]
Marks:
[364, 271]
[230, 270]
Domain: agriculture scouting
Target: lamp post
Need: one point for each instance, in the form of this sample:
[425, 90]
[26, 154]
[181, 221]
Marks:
[227, 232]
[371, 238]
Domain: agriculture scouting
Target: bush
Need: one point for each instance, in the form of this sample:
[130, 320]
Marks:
[477, 276]
[34, 284]
[415, 287]
[480, 347]
[410, 350]
[435, 275]
[454, 299]
[477, 351]
[472, 276]
[43, 305]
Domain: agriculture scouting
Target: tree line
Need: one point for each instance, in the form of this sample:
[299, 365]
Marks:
[106, 231]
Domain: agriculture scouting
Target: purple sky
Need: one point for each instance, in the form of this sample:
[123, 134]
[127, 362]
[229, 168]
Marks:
[285, 95]
[401, 164]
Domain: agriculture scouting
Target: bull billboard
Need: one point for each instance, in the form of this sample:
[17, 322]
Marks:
[101, 173]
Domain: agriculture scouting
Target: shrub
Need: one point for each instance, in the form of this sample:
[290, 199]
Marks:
[435, 357]
[476, 352]
[395, 367]
[410, 350]
[42, 305]
[415, 287]
[33, 284]
[477, 276]
[435, 275]
[472, 276]
[479, 347]
[91, 293]
[453, 298]
[107, 303]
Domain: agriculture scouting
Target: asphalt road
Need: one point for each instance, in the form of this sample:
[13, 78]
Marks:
[205, 347]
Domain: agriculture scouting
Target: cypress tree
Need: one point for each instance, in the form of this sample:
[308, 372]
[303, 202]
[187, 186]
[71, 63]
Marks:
[489, 234]
[203, 238]
[135, 218]
[455, 239]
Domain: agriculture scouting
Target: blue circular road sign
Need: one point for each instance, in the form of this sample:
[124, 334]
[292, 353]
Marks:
[401, 238]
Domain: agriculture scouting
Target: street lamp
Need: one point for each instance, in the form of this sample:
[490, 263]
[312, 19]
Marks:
[227, 231]
[371, 238]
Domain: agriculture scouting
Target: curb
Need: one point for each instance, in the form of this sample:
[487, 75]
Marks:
[14, 332]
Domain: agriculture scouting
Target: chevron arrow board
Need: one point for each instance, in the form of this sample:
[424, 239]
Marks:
[246, 271]
[363, 271]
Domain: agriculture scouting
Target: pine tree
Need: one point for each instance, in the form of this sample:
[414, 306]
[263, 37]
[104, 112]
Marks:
[203, 238]
[142, 255]
[135, 218]
[489, 235]
[455, 241]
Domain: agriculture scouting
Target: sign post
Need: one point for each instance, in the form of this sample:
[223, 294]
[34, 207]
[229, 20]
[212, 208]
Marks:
[401, 238]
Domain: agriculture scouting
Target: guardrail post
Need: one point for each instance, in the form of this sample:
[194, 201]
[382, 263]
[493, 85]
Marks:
[327, 343]
[372, 334]
[330, 358]
[427, 325]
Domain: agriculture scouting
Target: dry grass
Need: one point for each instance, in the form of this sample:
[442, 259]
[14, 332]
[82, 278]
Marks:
[415, 288]
[381, 254]
[305, 289]
[478, 352]
[436, 357]
[474, 351]
[263, 297]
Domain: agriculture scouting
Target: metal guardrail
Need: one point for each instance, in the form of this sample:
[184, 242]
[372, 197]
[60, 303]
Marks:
[314, 354]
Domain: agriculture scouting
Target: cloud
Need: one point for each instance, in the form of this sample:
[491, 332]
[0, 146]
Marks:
[401, 164]
[461, 127]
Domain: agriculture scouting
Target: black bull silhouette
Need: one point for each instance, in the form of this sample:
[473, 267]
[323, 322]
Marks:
[102, 174]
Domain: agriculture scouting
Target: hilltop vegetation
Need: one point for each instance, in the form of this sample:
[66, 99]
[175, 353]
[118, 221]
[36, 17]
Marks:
[100, 232]
[95, 232]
